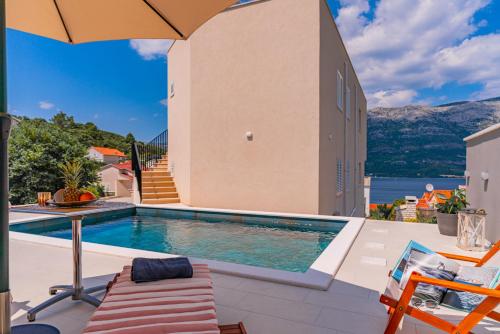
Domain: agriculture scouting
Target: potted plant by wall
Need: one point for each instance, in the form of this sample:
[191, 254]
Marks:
[447, 213]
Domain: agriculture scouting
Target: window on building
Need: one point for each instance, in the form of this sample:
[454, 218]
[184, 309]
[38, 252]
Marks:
[340, 187]
[348, 175]
[360, 173]
[356, 101]
[348, 102]
[340, 91]
[360, 114]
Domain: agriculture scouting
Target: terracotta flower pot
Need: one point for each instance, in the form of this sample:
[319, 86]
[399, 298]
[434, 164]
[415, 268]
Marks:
[447, 223]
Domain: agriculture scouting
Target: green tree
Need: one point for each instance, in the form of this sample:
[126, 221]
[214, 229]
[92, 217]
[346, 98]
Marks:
[63, 121]
[89, 135]
[36, 149]
[129, 138]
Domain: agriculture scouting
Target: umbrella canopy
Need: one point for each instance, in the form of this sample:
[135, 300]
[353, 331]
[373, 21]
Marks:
[77, 21]
[81, 21]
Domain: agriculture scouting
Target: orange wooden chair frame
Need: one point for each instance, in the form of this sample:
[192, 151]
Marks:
[398, 308]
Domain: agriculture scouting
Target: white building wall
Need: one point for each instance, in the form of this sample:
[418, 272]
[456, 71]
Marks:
[115, 182]
[267, 69]
[95, 155]
[483, 160]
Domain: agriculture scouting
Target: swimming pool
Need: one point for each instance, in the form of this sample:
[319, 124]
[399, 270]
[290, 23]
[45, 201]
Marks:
[271, 242]
[301, 250]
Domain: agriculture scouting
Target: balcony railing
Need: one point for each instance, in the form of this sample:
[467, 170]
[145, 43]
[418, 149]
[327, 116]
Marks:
[146, 155]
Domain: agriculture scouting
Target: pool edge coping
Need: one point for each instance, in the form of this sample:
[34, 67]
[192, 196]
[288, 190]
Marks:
[318, 276]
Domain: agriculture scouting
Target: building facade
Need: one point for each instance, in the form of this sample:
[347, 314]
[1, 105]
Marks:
[106, 155]
[266, 112]
[117, 179]
[482, 176]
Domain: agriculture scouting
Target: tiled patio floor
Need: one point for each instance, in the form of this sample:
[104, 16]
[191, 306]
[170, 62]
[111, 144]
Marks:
[349, 306]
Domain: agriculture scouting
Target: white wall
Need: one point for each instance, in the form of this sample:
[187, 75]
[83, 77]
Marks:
[115, 182]
[483, 155]
[179, 118]
[243, 72]
[111, 159]
[95, 155]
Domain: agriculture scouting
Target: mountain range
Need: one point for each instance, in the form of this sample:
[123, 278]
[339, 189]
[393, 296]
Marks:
[425, 141]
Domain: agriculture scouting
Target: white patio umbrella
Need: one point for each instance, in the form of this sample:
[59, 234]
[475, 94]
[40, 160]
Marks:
[81, 21]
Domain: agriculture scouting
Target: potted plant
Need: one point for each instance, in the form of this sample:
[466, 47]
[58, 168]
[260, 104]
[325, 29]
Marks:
[447, 213]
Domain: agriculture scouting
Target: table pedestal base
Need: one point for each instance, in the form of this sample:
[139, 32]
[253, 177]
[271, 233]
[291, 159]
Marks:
[66, 292]
[75, 291]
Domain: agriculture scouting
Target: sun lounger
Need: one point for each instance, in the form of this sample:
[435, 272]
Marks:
[167, 306]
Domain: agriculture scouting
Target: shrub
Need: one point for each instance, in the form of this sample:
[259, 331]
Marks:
[36, 148]
[454, 204]
[426, 219]
[95, 188]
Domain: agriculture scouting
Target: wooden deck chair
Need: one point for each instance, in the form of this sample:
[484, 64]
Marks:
[398, 308]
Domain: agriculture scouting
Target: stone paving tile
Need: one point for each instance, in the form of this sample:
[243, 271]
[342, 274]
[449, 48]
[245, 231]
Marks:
[270, 289]
[228, 297]
[350, 322]
[348, 303]
[259, 323]
[226, 281]
[295, 311]
[230, 315]
[344, 288]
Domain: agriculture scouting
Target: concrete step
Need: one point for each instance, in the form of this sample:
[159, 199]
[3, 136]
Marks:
[156, 179]
[157, 184]
[158, 195]
[155, 173]
[161, 201]
[168, 189]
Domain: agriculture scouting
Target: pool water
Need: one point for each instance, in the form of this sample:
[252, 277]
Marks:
[292, 247]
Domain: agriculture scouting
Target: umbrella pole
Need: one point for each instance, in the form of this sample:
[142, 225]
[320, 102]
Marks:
[5, 123]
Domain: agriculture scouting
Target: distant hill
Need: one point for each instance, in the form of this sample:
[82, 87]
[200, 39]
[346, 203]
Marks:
[424, 141]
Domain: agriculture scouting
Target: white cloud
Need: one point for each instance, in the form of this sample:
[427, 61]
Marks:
[151, 48]
[395, 98]
[46, 105]
[350, 17]
[412, 44]
[132, 119]
[96, 116]
[164, 102]
[474, 60]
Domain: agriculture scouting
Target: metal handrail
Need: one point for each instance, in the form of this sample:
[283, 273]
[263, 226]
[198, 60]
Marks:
[136, 166]
[146, 156]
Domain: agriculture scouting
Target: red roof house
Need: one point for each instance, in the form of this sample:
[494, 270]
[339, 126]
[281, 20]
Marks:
[433, 198]
[106, 154]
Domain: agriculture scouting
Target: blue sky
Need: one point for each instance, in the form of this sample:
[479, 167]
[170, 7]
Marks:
[404, 51]
[107, 83]
[422, 51]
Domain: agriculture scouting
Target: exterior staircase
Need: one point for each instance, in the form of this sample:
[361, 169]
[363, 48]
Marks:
[158, 186]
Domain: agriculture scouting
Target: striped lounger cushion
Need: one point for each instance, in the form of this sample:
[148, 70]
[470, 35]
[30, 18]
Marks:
[183, 305]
